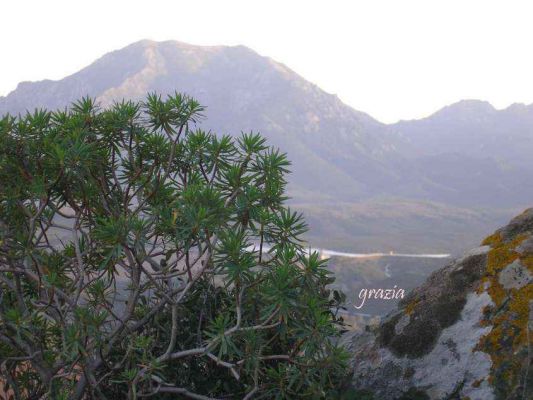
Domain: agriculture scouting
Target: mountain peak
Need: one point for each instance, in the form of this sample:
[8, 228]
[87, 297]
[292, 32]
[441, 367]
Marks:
[242, 91]
[468, 107]
[143, 43]
[168, 47]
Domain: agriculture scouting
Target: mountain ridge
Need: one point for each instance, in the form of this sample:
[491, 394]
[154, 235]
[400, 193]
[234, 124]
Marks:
[339, 154]
[149, 43]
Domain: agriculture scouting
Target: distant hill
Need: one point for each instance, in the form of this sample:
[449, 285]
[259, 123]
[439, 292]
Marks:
[476, 129]
[398, 225]
[478, 155]
[467, 158]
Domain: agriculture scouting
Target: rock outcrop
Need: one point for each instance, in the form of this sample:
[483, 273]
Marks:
[467, 333]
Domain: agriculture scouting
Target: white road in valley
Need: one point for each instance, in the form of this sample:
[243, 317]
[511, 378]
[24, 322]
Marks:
[332, 253]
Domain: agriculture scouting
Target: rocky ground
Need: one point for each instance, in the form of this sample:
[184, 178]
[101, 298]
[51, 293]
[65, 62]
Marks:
[466, 333]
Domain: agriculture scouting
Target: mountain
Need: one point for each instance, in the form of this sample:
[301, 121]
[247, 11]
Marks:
[464, 334]
[476, 129]
[341, 157]
[242, 91]
[472, 149]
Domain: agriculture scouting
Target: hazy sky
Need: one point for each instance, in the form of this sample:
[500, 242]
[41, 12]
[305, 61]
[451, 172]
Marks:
[396, 59]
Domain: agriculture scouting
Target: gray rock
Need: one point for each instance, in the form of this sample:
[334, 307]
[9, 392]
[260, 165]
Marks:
[526, 247]
[461, 334]
[452, 364]
[515, 275]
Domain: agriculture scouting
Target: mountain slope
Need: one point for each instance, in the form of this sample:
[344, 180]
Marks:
[476, 129]
[461, 157]
[477, 154]
[242, 91]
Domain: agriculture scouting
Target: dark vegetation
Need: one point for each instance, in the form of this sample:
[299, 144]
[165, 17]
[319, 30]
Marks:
[127, 268]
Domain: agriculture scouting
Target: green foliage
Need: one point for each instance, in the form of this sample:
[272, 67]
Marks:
[142, 257]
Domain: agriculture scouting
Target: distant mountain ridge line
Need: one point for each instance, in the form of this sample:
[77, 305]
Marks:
[466, 167]
[150, 43]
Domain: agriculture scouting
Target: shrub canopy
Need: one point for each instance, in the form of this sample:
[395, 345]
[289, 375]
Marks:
[142, 257]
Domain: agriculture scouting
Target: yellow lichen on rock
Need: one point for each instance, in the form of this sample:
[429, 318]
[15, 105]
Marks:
[509, 316]
[492, 240]
[409, 308]
[527, 261]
